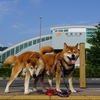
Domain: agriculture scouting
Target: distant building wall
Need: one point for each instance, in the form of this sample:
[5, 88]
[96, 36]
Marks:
[68, 34]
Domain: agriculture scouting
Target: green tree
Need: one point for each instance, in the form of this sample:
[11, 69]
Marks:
[93, 53]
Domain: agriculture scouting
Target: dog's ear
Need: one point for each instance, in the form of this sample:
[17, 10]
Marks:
[65, 45]
[76, 45]
[29, 60]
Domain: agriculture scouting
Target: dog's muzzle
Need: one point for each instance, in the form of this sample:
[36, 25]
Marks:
[34, 75]
[72, 59]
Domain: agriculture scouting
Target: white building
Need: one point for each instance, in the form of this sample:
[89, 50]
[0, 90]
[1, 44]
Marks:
[69, 34]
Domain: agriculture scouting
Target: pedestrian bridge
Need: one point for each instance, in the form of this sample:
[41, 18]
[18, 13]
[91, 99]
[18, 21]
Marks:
[32, 44]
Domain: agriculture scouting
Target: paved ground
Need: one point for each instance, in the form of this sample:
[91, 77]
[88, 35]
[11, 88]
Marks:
[91, 92]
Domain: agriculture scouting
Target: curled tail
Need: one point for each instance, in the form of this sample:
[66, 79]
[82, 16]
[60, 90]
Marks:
[10, 60]
[46, 49]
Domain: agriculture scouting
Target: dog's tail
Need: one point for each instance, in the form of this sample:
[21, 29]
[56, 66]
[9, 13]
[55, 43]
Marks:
[46, 49]
[10, 60]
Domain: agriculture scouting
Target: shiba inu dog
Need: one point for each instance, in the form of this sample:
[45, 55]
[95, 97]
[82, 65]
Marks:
[31, 61]
[67, 56]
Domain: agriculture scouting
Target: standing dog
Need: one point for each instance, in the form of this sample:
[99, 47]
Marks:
[68, 57]
[32, 61]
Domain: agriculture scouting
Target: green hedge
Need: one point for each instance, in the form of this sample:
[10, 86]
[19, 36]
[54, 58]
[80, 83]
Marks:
[90, 72]
[93, 72]
[5, 72]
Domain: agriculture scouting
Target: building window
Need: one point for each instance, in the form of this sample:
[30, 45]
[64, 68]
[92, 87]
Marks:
[25, 45]
[17, 49]
[47, 38]
[21, 47]
[60, 30]
[3, 57]
[80, 33]
[71, 33]
[54, 30]
[38, 40]
[43, 39]
[34, 42]
[12, 51]
[65, 30]
[90, 30]
[30, 43]
[50, 37]
[66, 33]
[8, 53]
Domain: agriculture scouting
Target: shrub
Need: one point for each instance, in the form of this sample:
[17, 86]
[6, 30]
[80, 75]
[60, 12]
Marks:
[5, 72]
[91, 72]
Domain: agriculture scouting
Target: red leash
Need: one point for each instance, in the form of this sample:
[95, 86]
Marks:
[52, 91]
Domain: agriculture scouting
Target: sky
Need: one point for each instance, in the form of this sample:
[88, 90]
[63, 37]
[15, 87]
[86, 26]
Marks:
[20, 19]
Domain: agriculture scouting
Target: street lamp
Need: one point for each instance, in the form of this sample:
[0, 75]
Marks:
[40, 31]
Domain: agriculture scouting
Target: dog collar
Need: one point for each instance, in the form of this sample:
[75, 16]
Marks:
[65, 71]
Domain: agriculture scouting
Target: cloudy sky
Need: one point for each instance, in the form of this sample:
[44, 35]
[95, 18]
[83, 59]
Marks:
[20, 19]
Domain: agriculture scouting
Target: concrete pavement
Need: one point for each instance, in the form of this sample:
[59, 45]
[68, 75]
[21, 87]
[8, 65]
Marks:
[91, 92]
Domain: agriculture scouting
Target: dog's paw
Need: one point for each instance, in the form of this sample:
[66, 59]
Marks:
[73, 91]
[28, 92]
[6, 91]
[34, 90]
[58, 90]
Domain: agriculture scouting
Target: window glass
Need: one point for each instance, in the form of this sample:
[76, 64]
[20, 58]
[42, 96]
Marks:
[25, 45]
[55, 30]
[17, 49]
[30, 43]
[38, 40]
[71, 33]
[66, 33]
[3, 57]
[43, 39]
[60, 30]
[34, 42]
[8, 53]
[21, 47]
[50, 37]
[90, 30]
[65, 30]
[47, 38]
[12, 51]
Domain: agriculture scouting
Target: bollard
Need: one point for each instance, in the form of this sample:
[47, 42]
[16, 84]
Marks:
[82, 66]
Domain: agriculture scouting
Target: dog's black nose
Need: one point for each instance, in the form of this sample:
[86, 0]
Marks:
[34, 75]
[73, 56]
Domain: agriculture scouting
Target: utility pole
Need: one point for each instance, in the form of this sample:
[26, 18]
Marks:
[40, 31]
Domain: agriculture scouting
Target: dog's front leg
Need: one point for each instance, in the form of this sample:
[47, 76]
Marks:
[70, 80]
[58, 77]
[27, 79]
[35, 83]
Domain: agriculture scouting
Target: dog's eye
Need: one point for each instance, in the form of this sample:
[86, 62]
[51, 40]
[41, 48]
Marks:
[74, 52]
[36, 67]
[31, 67]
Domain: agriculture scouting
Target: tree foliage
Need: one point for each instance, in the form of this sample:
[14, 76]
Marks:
[93, 53]
[3, 48]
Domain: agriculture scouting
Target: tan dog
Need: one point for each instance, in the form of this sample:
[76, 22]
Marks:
[68, 58]
[32, 61]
